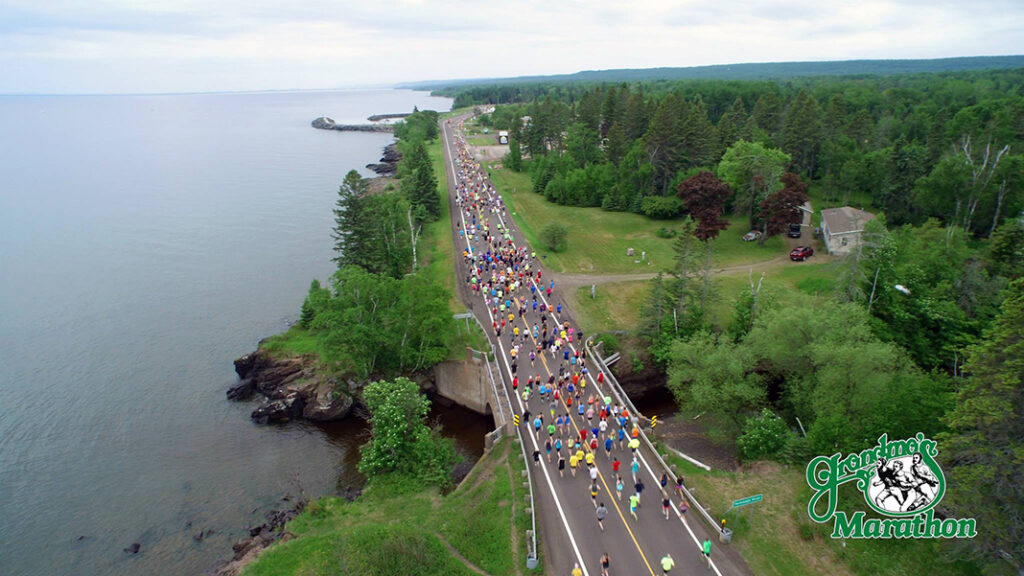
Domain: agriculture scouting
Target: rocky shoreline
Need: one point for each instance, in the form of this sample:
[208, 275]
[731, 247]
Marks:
[294, 387]
[388, 163]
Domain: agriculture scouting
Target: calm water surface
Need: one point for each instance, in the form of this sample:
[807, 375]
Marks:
[145, 242]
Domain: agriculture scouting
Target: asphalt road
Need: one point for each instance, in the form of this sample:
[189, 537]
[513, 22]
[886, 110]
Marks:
[566, 515]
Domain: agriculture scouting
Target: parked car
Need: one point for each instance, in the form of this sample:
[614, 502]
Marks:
[751, 236]
[801, 253]
[794, 230]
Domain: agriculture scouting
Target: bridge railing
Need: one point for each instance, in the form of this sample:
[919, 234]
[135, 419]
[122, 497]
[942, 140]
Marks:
[623, 398]
[531, 537]
[501, 394]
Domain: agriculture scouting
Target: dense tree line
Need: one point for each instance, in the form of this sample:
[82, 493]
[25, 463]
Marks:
[946, 146]
[379, 317]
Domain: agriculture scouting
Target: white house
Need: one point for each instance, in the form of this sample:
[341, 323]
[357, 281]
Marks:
[841, 228]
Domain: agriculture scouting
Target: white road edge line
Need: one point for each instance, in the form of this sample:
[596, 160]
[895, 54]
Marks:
[547, 477]
[654, 477]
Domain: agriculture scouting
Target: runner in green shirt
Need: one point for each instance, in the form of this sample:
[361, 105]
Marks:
[634, 501]
[706, 551]
[667, 564]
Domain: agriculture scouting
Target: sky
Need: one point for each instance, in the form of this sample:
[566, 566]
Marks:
[156, 46]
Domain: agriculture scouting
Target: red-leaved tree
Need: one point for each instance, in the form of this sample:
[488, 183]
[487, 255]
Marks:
[783, 208]
[705, 197]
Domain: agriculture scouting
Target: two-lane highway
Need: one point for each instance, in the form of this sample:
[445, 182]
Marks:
[502, 286]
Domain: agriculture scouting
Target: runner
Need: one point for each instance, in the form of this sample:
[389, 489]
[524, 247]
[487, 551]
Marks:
[666, 503]
[618, 486]
[576, 571]
[573, 461]
[634, 501]
[602, 513]
[667, 564]
[594, 489]
[561, 466]
[606, 563]
[639, 487]
[706, 550]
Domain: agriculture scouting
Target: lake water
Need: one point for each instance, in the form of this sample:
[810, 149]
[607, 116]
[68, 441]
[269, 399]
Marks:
[145, 242]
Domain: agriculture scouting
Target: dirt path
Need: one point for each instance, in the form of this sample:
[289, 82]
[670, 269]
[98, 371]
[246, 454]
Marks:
[460, 557]
[577, 280]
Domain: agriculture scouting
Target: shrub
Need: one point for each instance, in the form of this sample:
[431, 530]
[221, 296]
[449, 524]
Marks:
[555, 237]
[662, 207]
[611, 344]
[665, 233]
[763, 437]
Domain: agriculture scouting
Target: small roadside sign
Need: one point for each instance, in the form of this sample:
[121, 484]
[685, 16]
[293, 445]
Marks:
[747, 500]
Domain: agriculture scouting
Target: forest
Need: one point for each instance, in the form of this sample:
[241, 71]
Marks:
[922, 330]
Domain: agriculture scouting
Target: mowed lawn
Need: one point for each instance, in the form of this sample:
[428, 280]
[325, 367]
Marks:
[615, 306]
[620, 305]
[599, 240]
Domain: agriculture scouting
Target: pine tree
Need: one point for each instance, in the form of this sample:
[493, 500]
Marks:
[835, 116]
[421, 189]
[861, 128]
[801, 132]
[700, 140]
[350, 221]
[663, 141]
[615, 148]
[768, 113]
[985, 447]
[307, 314]
[514, 158]
[730, 126]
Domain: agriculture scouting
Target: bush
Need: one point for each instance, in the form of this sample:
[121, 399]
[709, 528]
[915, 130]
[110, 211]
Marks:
[763, 437]
[611, 344]
[555, 237]
[665, 233]
[662, 207]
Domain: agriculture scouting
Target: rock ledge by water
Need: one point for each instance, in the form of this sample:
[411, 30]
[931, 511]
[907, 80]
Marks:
[293, 386]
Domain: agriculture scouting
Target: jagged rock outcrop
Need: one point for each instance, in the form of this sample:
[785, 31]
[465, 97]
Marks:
[388, 164]
[294, 387]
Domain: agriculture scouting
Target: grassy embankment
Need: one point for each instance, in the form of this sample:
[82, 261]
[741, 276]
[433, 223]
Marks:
[598, 241]
[398, 528]
[777, 538]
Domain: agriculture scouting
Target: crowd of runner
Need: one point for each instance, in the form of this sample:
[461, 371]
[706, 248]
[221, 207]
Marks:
[575, 425]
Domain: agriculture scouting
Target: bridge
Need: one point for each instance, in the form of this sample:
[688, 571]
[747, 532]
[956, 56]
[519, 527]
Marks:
[564, 512]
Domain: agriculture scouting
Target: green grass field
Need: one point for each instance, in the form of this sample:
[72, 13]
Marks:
[616, 306]
[398, 528]
[619, 305]
[598, 239]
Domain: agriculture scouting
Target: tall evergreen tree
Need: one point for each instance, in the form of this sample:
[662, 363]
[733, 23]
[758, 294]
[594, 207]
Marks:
[768, 112]
[835, 116]
[421, 189]
[699, 138]
[663, 142]
[801, 132]
[350, 222]
[731, 125]
[615, 147]
[861, 128]
[985, 446]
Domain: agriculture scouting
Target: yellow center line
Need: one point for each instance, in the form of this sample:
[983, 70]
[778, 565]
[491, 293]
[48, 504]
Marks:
[586, 446]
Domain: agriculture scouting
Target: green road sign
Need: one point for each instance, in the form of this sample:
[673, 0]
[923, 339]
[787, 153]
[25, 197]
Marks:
[747, 500]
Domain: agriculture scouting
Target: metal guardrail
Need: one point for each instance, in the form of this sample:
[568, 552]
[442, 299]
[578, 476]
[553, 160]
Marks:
[531, 544]
[616, 388]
